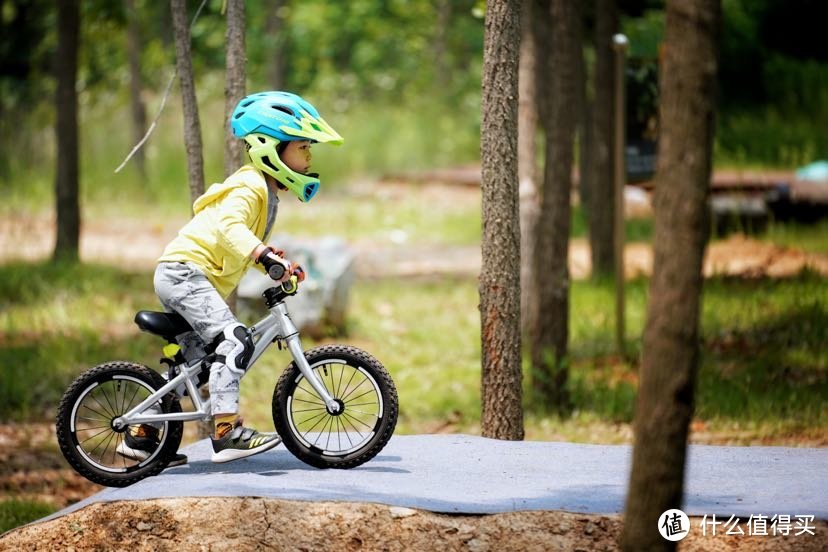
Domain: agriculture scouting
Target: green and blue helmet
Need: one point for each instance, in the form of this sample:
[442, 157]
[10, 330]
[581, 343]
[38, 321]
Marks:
[266, 119]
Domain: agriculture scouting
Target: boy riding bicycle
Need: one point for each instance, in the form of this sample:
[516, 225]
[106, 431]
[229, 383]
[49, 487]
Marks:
[227, 235]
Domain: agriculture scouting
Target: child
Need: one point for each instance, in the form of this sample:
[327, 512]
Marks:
[227, 234]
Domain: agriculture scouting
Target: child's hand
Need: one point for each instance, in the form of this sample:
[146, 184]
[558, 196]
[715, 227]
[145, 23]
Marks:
[277, 268]
[298, 271]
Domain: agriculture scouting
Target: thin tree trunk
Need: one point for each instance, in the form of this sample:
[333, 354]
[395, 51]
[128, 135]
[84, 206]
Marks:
[527, 160]
[234, 91]
[502, 416]
[600, 211]
[275, 31]
[192, 126]
[234, 84]
[670, 355]
[67, 243]
[551, 332]
[139, 112]
[440, 45]
[584, 116]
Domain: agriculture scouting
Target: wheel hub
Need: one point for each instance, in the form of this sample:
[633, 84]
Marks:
[341, 409]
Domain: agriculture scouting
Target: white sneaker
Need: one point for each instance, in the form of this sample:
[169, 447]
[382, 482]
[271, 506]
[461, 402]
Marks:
[140, 448]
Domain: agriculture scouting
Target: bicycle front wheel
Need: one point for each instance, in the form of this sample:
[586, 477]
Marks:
[88, 438]
[366, 418]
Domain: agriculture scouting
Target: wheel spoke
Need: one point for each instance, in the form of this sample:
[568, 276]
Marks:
[362, 395]
[310, 410]
[338, 434]
[356, 429]
[107, 428]
[131, 399]
[102, 416]
[92, 396]
[321, 418]
[353, 389]
[322, 404]
[89, 428]
[352, 405]
[352, 418]
[341, 377]
[347, 385]
[374, 414]
[323, 431]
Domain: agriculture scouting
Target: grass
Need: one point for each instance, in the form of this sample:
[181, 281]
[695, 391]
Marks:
[15, 512]
[812, 238]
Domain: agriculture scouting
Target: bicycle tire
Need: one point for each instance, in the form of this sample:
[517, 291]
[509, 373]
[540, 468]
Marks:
[371, 422]
[103, 393]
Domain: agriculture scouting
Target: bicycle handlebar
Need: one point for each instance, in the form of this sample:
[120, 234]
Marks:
[276, 271]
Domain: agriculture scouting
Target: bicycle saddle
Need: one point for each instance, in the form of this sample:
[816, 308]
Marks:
[166, 324]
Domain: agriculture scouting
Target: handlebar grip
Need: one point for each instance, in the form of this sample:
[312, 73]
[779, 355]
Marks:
[276, 271]
[291, 285]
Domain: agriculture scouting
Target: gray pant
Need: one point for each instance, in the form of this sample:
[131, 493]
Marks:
[183, 288]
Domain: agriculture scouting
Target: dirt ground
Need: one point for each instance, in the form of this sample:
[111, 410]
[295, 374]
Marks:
[269, 524]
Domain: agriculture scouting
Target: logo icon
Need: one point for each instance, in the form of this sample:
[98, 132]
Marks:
[674, 525]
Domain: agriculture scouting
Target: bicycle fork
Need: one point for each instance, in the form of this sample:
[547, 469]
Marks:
[284, 328]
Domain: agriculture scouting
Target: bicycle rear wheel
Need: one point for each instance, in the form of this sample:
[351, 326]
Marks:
[362, 426]
[88, 439]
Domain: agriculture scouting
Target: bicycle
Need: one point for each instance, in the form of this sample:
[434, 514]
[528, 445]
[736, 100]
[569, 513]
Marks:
[334, 406]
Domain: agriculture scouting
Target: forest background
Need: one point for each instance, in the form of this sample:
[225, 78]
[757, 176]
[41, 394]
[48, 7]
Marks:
[401, 81]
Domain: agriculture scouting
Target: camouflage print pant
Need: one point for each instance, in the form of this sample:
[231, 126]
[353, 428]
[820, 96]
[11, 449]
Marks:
[183, 288]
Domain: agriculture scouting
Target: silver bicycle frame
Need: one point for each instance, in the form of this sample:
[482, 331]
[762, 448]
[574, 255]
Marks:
[276, 326]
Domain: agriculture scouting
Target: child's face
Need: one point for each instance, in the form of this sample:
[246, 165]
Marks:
[297, 156]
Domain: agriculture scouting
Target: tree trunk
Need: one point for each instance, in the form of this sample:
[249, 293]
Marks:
[234, 91]
[670, 354]
[550, 334]
[440, 44]
[275, 31]
[234, 84]
[600, 211]
[502, 416]
[584, 116]
[139, 112]
[192, 126]
[527, 159]
[67, 243]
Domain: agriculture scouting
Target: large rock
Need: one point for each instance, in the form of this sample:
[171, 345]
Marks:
[320, 307]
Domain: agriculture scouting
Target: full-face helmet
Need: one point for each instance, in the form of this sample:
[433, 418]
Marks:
[266, 119]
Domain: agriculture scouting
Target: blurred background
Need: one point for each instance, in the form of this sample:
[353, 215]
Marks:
[400, 80]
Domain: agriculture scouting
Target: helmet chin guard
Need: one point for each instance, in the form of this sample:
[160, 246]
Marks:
[263, 154]
[266, 119]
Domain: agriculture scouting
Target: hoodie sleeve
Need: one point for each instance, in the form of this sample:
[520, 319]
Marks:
[236, 215]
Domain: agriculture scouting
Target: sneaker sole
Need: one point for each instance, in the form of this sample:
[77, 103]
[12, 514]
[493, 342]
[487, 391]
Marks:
[133, 454]
[228, 455]
[140, 455]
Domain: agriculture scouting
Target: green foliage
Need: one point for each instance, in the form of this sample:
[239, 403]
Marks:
[15, 512]
[380, 139]
[770, 139]
[782, 330]
[762, 357]
[405, 93]
[58, 319]
[811, 238]
[635, 229]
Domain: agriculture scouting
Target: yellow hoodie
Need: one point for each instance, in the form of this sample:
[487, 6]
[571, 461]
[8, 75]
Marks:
[229, 222]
